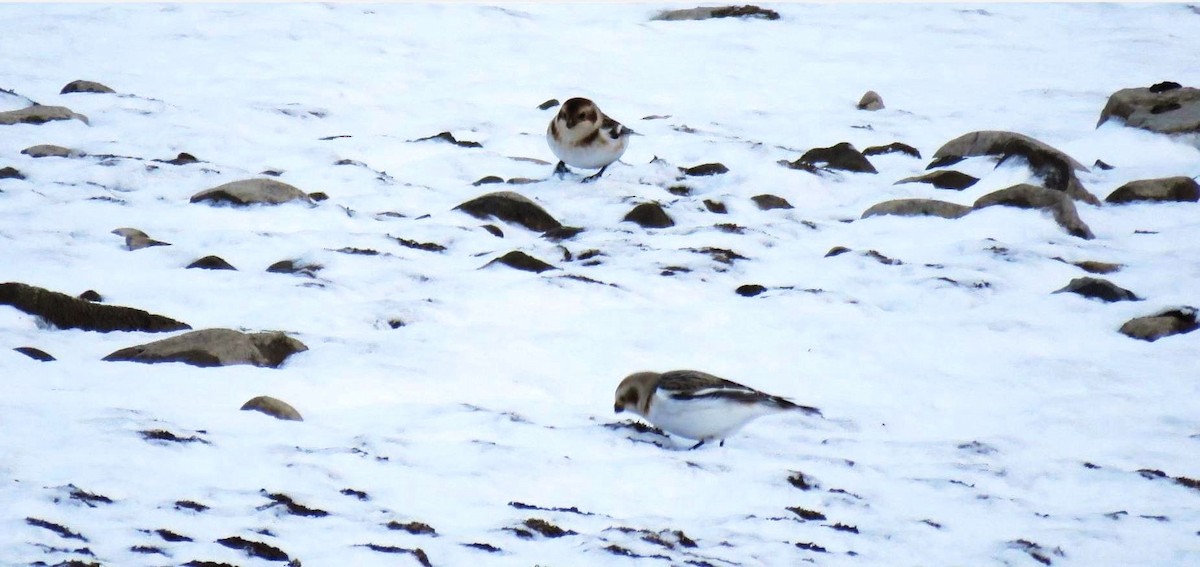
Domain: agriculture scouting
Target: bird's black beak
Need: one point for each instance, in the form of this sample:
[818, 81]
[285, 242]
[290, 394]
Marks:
[618, 408]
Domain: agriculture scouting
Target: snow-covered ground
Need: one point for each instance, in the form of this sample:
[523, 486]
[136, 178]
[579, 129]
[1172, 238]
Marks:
[974, 418]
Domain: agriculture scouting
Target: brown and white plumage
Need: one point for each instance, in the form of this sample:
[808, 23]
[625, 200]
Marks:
[580, 135]
[697, 405]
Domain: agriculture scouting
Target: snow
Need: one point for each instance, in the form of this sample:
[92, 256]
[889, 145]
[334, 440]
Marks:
[498, 387]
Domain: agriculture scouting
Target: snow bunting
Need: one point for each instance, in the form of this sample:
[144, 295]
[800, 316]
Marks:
[582, 136]
[697, 405]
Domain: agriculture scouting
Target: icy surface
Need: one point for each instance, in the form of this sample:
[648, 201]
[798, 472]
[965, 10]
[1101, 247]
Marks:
[974, 418]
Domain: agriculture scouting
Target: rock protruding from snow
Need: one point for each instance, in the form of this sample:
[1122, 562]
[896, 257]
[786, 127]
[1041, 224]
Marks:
[273, 407]
[39, 114]
[1165, 108]
[215, 347]
[705, 169]
[841, 156]
[521, 261]
[82, 86]
[66, 312]
[708, 13]
[11, 173]
[649, 215]
[943, 179]
[1162, 324]
[918, 208]
[767, 202]
[1056, 167]
[1099, 288]
[35, 353]
[1028, 196]
[251, 191]
[510, 206]
[1179, 189]
[51, 150]
[870, 101]
[893, 148]
[211, 263]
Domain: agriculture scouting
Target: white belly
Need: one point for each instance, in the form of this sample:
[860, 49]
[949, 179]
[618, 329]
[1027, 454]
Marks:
[593, 156]
[704, 418]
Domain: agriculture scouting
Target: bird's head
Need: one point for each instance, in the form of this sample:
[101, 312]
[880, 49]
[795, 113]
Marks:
[578, 111]
[634, 393]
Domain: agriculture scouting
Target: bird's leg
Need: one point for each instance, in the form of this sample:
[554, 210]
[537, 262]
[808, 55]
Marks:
[697, 445]
[561, 169]
[592, 178]
[722, 443]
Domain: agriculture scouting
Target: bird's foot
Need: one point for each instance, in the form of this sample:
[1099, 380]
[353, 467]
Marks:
[592, 178]
[697, 445]
[561, 169]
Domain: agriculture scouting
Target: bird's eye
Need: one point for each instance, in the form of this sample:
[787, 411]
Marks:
[583, 117]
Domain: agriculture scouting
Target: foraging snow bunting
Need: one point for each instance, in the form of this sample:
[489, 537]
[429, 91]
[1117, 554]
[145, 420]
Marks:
[582, 136]
[697, 405]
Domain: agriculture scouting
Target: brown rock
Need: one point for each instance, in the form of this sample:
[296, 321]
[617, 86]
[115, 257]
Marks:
[511, 207]
[703, 13]
[918, 207]
[215, 347]
[66, 312]
[522, 261]
[273, 407]
[1034, 197]
[251, 191]
[51, 150]
[1163, 324]
[649, 215]
[1179, 189]
[39, 114]
[1164, 108]
[1056, 167]
[1097, 288]
[767, 202]
[892, 148]
[82, 86]
[841, 156]
[870, 101]
[943, 179]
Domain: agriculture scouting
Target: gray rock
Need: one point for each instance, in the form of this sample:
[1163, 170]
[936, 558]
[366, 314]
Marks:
[1056, 167]
[1028, 196]
[35, 353]
[703, 13]
[39, 114]
[1179, 189]
[1162, 324]
[943, 179]
[511, 207]
[1097, 288]
[1161, 110]
[50, 150]
[215, 347]
[251, 191]
[870, 101]
[66, 312]
[918, 207]
[82, 86]
[649, 215]
[273, 407]
[767, 202]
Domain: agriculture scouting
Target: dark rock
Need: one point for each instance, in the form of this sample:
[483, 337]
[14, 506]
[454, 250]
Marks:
[679, 190]
[66, 312]
[183, 158]
[524, 506]
[294, 508]
[11, 173]
[415, 528]
[750, 290]
[840, 156]
[522, 261]
[1101, 165]
[943, 179]
[190, 505]
[255, 548]
[494, 230]
[1163, 324]
[512, 207]
[803, 166]
[426, 246]
[61, 530]
[448, 137]
[879, 257]
[729, 227]
[918, 207]
[546, 528]
[167, 436]
[251, 191]
[802, 481]
[1164, 87]
[649, 215]
[1033, 197]
[1037, 552]
[295, 267]
[211, 263]
[358, 251]
[1093, 267]
[870, 101]
[721, 255]
[1057, 168]
[892, 148]
[1163, 108]
[34, 353]
[705, 169]
[836, 251]
[215, 347]
[483, 546]
[703, 13]
[38, 114]
[417, 553]
[318, 196]
[1096, 288]
[549, 104]
[715, 207]
[767, 202]
[1178, 189]
[488, 180]
[809, 546]
[562, 233]
[273, 407]
[50, 150]
[809, 515]
[81, 86]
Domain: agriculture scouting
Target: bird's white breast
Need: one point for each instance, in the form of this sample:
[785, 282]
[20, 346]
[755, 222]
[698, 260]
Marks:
[601, 152]
[704, 418]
